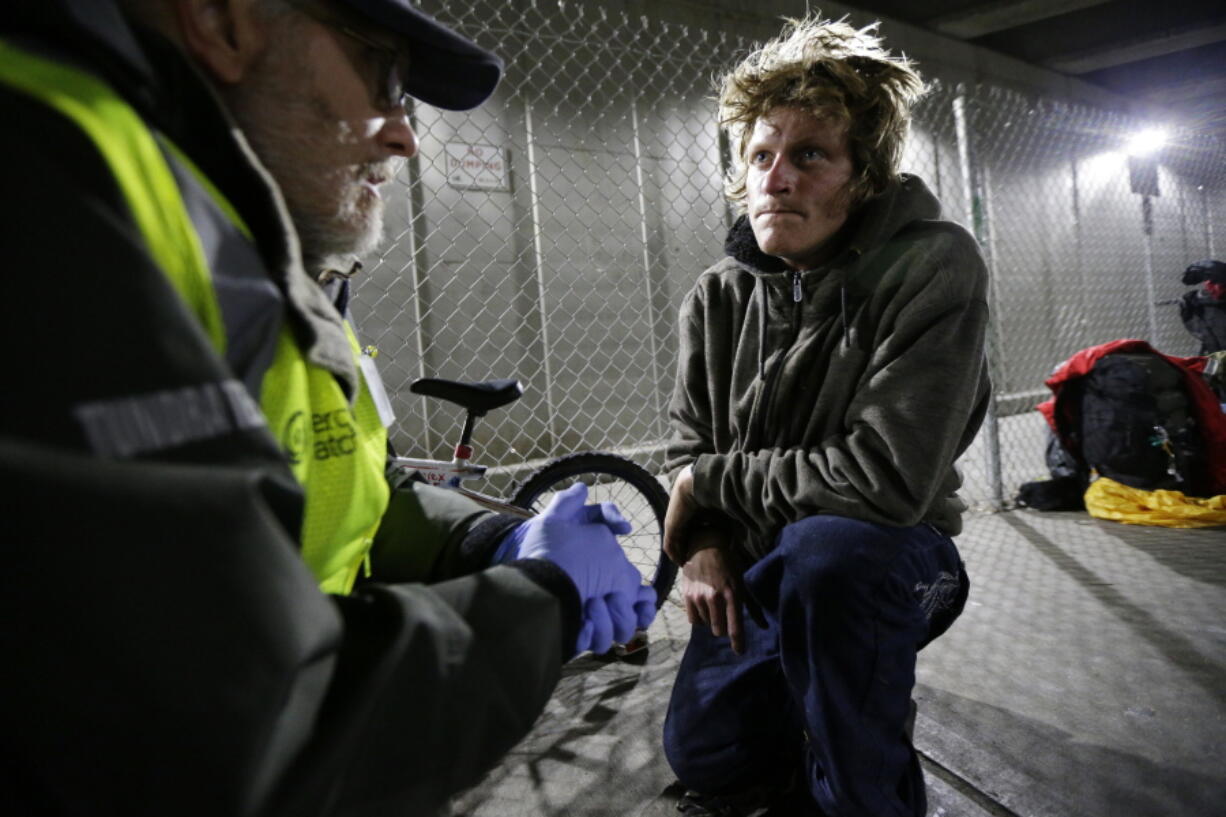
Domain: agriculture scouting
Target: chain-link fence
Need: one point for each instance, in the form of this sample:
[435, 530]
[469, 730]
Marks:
[550, 236]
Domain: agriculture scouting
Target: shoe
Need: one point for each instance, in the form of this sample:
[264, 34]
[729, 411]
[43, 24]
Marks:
[754, 802]
[759, 801]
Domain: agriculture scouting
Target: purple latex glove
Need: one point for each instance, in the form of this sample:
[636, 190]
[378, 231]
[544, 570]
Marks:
[582, 540]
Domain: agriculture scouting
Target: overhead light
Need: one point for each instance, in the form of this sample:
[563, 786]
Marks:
[1146, 142]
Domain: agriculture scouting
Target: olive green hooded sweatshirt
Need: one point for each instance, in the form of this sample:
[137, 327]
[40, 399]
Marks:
[847, 389]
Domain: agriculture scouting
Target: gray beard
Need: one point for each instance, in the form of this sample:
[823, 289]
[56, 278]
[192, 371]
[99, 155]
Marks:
[272, 96]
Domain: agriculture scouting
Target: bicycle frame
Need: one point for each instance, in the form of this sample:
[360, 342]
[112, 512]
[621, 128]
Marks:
[449, 475]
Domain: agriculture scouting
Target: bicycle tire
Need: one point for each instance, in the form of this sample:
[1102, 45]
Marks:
[638, 494]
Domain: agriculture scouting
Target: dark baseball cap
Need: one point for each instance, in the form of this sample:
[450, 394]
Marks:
[446, 70]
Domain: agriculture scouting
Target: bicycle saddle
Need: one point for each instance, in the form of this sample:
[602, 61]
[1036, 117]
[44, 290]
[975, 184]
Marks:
[476, 397]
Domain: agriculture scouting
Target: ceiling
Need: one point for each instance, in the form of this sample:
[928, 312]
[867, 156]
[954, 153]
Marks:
[1169, 54]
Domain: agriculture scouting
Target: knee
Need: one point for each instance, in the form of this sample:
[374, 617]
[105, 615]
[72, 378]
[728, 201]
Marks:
[827, 544]
[828, 556]
[828, 527]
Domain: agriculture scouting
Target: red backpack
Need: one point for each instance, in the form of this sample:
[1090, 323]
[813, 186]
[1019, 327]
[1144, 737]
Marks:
[1140, 417]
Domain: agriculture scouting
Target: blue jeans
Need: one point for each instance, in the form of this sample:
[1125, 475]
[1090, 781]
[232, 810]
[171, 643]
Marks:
[825, 687]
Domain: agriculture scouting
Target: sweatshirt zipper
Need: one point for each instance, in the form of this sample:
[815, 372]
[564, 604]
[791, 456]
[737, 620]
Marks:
[772, 380]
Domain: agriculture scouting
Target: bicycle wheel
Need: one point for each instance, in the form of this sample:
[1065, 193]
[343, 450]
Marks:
[637, 494]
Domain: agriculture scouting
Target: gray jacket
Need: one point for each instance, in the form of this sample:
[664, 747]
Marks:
[847, 389]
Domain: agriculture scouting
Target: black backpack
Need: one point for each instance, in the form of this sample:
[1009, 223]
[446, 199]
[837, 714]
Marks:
[1202, 314]
[1136, 426]
[1205, 318]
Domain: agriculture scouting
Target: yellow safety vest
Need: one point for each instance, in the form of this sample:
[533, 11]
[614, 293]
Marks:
[337, 451]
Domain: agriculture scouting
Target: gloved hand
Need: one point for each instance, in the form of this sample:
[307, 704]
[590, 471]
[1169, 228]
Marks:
[581, 540]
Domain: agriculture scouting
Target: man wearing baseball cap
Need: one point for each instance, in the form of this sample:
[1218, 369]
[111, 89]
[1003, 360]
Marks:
[191, 451]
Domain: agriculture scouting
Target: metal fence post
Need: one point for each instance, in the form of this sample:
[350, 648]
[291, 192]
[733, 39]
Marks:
[538, 255]
[418, 233]
[1083, 284]
[1204, 198]
[1151, 296]
[976, 215]
[644, 235]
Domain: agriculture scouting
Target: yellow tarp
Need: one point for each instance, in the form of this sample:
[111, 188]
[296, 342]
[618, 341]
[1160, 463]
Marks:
[1108, 499]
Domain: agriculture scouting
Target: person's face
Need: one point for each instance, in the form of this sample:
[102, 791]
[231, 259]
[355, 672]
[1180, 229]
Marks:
[317, 114]
[799, 170]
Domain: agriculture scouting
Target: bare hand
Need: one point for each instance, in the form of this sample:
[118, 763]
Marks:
[681, 510]
[710, 589]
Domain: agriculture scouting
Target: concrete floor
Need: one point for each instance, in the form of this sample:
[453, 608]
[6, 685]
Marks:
[1086, 678]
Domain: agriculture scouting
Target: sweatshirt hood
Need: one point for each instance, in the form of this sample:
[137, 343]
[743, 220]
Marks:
[741, 245]
[903, 202]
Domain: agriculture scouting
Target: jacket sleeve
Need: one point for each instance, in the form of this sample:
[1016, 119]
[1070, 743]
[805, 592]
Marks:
[691, 407]
[922, 395]
[164, 638]
[432, 534]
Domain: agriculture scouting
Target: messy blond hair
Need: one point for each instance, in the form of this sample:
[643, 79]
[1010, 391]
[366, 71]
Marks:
[835, 72]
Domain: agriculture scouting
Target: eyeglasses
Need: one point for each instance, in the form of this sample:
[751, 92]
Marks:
[391, 64]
